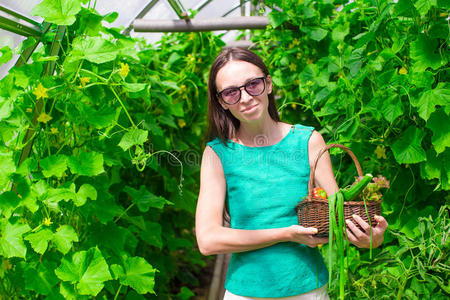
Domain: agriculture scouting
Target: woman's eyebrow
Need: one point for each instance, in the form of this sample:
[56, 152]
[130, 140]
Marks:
[245, 82]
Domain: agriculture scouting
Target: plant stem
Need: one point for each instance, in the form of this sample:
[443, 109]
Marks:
[118, 291]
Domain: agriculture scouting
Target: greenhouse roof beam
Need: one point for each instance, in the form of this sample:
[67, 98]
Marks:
[179, 9]
[18, 15]
[140, 15]
[196, 25]
[18, 28]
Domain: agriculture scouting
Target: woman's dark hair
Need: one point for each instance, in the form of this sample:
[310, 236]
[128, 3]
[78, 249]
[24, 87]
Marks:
[221, 123]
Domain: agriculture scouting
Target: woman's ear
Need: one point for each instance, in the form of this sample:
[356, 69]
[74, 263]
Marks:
[269, 84]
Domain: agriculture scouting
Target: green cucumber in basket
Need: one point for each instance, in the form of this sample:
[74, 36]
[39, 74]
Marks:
[353, 191]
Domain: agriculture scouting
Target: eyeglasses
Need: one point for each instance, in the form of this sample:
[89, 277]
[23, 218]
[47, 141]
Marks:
[254, 87]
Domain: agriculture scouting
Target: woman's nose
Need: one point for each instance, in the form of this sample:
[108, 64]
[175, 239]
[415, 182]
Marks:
[245, 95]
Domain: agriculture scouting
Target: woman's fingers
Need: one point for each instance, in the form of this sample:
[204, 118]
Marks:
[362, 223]
[382, 223]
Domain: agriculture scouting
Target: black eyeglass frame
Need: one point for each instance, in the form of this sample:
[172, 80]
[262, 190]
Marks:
[219, 94]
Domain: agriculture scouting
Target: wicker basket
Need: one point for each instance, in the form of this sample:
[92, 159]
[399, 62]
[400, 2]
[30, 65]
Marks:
[313, 211]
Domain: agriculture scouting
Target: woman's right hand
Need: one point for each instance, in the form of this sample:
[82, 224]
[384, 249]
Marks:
[305, 235]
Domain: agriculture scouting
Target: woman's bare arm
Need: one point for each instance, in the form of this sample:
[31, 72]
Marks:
[324, 176]
[213, 237]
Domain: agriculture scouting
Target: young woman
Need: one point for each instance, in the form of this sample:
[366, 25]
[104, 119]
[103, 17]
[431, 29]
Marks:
[257, 168]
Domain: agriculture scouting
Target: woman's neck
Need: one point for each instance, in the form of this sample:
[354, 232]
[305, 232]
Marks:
[260, 134]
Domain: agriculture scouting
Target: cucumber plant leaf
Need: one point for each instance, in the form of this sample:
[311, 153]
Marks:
[59, 12]
[439, 124]
[86, 163]
[136, 273]
[11, 241]
[54, 165]
[42, 279]
[39, 240]
[133, 137]
[88, 270]
[64, 237]
[408, 149]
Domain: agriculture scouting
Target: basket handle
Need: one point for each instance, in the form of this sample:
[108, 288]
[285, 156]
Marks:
[321, 152]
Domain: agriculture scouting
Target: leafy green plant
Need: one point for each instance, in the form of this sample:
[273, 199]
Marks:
[372, 75]
[101, 205]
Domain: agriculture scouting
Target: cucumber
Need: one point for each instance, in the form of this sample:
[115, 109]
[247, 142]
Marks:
[353, 191]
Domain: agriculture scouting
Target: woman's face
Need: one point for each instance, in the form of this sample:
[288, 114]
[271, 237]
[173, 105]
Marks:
[238, 73]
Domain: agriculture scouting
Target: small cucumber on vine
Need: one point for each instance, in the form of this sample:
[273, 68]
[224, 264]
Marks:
[353, 191]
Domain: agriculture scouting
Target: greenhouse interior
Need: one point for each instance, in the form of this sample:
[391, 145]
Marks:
[107, 121]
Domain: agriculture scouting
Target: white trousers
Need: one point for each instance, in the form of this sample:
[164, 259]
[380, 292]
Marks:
[317, 294]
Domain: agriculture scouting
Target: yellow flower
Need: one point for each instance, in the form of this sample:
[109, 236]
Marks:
[40, 91]
[29, 109]
[124, 69]
[299, 54]
[403, 71]
[54, 130]
[380, 152]
[44, 118]
[181, 123]
[190, 58]
[294, 106]
[292, 67]
[84, 80]
[296, 42]
[48, 222]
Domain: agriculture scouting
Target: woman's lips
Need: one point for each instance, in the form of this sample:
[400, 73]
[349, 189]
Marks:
[249, 108]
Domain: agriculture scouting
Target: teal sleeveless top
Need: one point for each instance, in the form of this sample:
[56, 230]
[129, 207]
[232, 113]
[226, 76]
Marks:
[264, 184]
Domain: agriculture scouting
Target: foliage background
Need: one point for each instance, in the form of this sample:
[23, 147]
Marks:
[99, 208]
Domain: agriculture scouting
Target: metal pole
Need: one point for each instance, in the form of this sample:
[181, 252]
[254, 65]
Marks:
[196, 25]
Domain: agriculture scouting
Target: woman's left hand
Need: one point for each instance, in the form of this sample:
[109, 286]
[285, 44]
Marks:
[361, 239]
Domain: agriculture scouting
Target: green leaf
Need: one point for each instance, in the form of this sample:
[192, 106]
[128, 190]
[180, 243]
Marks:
[133, 137]
[11, 242]
[404, 8]
[434, 167]
[64, 237]
[41, 279]
[87, 269]
[6, 107]
[407, 149]
[86, 163]
[425, 54]
[54, 196]
[9, 201]
[85, 191]
[423, 6]
[134, 87]
[430, 98]
[392, 108]
[315, 33]
[276, 18]
[145, 199]
[7, 166]
[138, 274]
[59, 12]
[54, 165]
[110, 17]
[6, 55]
[439, 124]
[185, 294]
[100, 118]
[94, 49]
[340, 32]
[152, 234]
[39, 240]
